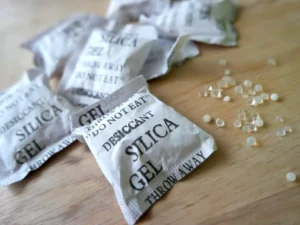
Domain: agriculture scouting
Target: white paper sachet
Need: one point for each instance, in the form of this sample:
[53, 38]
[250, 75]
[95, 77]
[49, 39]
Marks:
[129, 10]
[53, 47]
[106, 62]
[165, 53]
[144, 147]
[87, 115]
[200, 19]
[34, 126]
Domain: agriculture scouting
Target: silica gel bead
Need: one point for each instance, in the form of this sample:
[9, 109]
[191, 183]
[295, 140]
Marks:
[281, 132]
[274, 97]
[259, 122]
[226, 99]
[220, 123]
[251, 141]
[247, 83]
[206, 118]
[237, 123]
[291, 177]
[258, 87]
[265, 96]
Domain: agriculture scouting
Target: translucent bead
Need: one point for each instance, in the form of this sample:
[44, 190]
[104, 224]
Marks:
[226, 99]
[248, 83]
[258, 87]
[274, 97]
[206, 118]
[288, 129]
[220, 123]
[240, 111]
[258, 100]
[204, 94]
[223, 62]
[241, 116]
[272, 61]
[229, 80]
[265, 96]
[250, 101]
[259, 122]
[227, 72]
[245, 129]
[251, 92]
[255, 115]
[208, 87]
[291, 177]
[245, 95]
[237, 123]
[238, 89]
[222, 84]
[252, 128]
[281, 132]
[279, 118]
[249, 120]
[251, 141]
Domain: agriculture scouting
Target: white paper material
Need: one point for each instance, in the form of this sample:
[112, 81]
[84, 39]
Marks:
[129, 10]
[53, 47]
[34, 126]
[166, 53]
[200, 19]
[144, 147]
[87, 115]
[107, 61]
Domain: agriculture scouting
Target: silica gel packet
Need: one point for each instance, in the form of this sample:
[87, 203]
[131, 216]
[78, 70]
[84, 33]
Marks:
[166, 53]
[129, 10]
[144, 147]
[208, 21]
[34, 126]
[53, 47]
[106, 62]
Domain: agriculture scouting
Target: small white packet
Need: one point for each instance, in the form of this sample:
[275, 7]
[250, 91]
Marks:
[144, 147]
[125, 11]
[34, 126]
[106, 62]
[53, 47]
[208, 21]
[87, 115]
[166, 53]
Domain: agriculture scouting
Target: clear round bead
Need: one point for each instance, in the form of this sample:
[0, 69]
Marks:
[248, 83]
[251, 92]
[246, 129]
[226, 99]
[255, 115]
[220, 122]
[251, 141]
[258, 87]
[206, 118]
[258, 100]
[281, 132]
[274, 97]
[265, 96]
[279, 118]
[237, 124]
[288, 129]
[227, 72]
[223, 62]
[272, 61]
[291, 177]
[259, 122]
[238, 89]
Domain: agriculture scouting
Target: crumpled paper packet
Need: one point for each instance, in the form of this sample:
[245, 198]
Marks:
[144, 147]
[207, 21]
[34, 126]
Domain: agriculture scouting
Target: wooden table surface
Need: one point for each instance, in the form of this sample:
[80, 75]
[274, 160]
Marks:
[236, 186]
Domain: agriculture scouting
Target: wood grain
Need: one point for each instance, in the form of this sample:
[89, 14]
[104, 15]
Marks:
[237, 185]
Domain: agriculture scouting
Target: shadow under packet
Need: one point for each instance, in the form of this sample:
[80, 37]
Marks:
[53, 47]
[142, 145]
[207, 21]
[34, 126]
